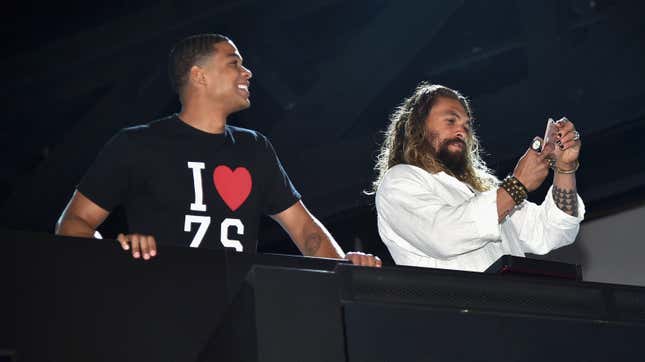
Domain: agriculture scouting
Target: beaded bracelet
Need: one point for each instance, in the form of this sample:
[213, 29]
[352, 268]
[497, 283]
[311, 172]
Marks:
[515, 188]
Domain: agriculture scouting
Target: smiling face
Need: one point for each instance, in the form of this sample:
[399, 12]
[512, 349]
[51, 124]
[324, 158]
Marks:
[223, 80]
[448, 131]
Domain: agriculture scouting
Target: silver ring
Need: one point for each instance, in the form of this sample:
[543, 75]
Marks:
[536, 145]
[576, 135]
[550, 162]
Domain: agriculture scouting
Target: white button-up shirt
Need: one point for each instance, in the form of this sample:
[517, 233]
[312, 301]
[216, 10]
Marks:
[437, 221]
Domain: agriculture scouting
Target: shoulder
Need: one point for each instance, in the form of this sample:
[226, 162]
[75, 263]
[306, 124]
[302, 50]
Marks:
[245, 134]
[159, 133]
[405, 178]
[407, 172]
[250, 138]
[150, 129]
[134, 132]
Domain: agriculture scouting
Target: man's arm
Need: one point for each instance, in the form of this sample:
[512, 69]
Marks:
[556, 222]
[565, 193]
[313, 239]
[82, 216]
[531, 170]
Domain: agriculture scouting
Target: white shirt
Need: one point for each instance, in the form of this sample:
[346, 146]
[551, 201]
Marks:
[437, 221]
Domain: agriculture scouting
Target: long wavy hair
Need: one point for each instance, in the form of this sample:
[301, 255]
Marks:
[406, 140]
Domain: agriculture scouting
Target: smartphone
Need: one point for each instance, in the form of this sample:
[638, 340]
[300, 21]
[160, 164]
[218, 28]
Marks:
[550, 135]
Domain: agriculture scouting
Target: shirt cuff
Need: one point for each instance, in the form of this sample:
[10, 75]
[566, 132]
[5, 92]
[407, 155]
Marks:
[559, 218]
[487, 221]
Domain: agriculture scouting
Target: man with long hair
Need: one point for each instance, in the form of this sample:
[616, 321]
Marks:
[438, 204]
[190, 178]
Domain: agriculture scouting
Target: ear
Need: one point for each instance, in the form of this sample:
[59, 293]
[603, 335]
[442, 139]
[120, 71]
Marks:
[197, 75]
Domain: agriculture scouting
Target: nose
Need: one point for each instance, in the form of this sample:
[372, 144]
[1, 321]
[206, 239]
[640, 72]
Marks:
[247, 73]
[461, 133]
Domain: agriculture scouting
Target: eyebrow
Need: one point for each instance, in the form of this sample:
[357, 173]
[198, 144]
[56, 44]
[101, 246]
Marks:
[452, 112]
[233, 55]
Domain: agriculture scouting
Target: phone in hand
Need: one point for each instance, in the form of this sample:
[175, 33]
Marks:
[550, 134]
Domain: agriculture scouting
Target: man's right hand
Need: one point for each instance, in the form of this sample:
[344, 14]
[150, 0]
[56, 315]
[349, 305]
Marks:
[141, 245]
[533, 167]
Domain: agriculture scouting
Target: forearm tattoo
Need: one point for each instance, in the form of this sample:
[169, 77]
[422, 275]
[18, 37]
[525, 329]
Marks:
[566, 200]
[312, 243]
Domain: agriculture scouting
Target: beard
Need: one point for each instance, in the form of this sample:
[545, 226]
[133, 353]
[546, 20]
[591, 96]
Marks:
[454, 161]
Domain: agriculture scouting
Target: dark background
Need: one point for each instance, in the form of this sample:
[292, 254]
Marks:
[327, 74]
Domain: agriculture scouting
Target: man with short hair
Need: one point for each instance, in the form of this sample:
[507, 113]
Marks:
[438, 204]
[192, 179]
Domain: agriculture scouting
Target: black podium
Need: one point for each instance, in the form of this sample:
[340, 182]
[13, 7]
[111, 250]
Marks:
[68, 299]
[74, 299]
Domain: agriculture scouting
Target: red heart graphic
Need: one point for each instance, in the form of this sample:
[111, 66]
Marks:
[233, 187]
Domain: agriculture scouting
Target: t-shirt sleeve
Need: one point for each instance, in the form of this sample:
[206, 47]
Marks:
[106, 181]
[279, 192]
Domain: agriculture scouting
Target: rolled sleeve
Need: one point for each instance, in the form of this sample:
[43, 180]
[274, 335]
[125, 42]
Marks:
[542, 228]
[558, 218]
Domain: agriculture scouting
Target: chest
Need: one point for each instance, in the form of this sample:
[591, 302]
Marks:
[451, 191]
[225, 179]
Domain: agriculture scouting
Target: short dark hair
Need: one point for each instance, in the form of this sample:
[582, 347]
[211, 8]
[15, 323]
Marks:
[188, 52]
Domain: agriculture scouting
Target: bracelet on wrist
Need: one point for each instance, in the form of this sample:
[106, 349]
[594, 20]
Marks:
[515, 188]
[559, 170]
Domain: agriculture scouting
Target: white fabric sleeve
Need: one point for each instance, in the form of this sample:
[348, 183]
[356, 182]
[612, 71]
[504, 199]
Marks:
[542, 228]
[412, 209]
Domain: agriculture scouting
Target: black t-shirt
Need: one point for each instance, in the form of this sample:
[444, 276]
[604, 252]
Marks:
[188, 187]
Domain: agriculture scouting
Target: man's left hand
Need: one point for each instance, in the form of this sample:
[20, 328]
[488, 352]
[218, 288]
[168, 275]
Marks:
[568, 143]
[362, 259]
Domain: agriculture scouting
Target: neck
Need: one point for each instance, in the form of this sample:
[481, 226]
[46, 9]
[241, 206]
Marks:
[210, 120]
